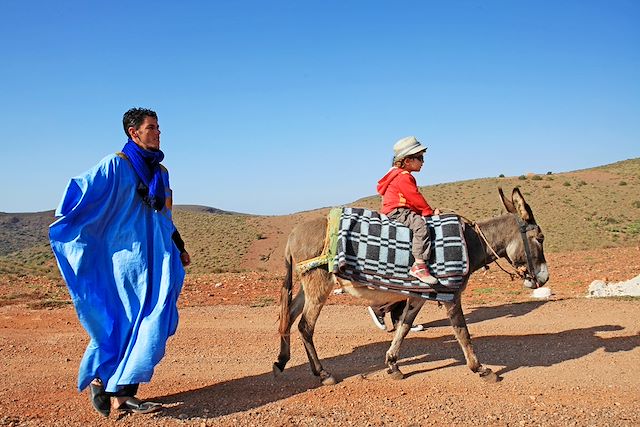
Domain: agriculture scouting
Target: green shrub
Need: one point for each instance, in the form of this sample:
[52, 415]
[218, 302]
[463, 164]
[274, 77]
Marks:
[634, 228]
[566, 184]
[623, 183]
[522, 177]
[536, 178]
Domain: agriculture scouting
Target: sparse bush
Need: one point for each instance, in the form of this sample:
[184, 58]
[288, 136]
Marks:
[522, 177]
[636, 204]
[484, 291]
[536, 178]
[566, 184]
[623, 183]
[546, 186]
[263, 302]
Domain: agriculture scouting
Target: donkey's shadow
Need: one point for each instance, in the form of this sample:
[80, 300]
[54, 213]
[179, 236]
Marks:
[511, 351]
[481, 314]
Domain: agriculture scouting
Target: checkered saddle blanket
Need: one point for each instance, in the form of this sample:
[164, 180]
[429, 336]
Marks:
[372, 249]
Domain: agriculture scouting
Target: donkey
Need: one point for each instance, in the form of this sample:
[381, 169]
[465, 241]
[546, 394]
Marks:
[514, 235]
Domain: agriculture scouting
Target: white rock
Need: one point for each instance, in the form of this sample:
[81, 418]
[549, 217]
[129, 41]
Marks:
[598, 288]
[543, 292]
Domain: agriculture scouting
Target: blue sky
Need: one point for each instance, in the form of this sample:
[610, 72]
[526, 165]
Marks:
[274, 107]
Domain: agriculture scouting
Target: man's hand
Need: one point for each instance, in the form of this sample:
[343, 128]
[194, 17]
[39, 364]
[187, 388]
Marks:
[185, 258]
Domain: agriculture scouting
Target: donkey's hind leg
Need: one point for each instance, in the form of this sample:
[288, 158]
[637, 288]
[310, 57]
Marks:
[318, 285]
[285, 338]
[411, 309]
[456, 316]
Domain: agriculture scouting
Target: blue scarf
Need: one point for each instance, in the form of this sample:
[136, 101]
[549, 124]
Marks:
[146, 163]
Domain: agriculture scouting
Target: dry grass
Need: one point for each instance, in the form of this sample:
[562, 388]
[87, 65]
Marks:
[216, 242]
[588, 209]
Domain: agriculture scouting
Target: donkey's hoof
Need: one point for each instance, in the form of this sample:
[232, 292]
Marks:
[277, 372]
[330, 380]
[395, 374]
[489, 376]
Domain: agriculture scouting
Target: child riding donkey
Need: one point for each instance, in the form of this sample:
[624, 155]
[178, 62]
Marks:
[403, 202]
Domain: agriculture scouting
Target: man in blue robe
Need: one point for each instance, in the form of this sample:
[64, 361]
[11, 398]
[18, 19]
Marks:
[123, 261]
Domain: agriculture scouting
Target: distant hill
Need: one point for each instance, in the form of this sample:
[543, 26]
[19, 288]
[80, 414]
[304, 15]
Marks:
[206, 209]
[19, 231]
[585, 209]
[24, 244]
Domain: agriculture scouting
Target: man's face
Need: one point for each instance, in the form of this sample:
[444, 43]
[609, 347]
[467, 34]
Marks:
[148, 135]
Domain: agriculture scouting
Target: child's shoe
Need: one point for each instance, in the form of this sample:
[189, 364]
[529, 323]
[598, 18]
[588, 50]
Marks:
[420, 272]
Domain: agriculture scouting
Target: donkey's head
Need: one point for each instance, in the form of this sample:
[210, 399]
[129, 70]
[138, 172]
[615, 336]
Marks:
[525, 249]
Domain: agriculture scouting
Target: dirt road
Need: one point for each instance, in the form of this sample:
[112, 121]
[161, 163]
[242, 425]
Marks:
[563, 362]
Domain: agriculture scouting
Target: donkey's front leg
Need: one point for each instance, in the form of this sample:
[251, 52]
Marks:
[409, 314]
[456, 316]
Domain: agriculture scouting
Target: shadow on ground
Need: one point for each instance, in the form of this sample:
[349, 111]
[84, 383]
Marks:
[481, 314]
[511, 351]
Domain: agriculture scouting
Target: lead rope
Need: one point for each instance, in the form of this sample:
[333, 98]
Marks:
[493, 252]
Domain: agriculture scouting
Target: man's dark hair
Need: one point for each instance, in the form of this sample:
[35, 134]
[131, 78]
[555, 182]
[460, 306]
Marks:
[134, 118]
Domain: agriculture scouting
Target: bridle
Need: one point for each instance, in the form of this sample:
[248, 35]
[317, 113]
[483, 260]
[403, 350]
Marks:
[524, 227]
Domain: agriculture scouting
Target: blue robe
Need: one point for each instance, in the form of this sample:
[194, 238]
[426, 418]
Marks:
[122, 269]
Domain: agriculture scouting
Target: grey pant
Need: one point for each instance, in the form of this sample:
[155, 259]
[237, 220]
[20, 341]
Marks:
[420, 243]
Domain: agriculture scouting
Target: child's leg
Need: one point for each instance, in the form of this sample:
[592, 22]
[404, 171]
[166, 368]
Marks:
[420, 243]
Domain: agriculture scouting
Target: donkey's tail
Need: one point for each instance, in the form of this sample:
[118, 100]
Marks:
[285, 293]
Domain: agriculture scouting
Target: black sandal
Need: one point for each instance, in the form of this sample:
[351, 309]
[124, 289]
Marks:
[100, 400]
[137, 406]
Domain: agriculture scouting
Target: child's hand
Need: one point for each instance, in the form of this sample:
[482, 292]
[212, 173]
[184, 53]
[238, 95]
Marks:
[436, 212]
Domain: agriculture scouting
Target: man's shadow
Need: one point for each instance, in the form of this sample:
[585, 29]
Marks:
[511, 351]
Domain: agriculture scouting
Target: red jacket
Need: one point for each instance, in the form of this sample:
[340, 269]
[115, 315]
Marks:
[399, 190]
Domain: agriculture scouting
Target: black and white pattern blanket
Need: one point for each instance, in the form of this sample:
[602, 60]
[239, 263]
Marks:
[375, 250]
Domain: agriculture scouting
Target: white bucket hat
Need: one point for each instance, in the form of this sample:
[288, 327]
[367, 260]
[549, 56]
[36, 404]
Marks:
[406, 147]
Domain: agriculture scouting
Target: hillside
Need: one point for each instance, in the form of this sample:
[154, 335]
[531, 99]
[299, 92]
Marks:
[586, 209]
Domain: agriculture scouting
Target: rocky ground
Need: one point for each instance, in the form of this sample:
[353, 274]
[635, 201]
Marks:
[567, 360]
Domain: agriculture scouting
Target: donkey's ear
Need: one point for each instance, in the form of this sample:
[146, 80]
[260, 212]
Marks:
[507, 203]
[522, 207]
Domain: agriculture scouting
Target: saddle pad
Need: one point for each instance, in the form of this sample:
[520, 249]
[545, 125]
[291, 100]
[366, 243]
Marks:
[372, 249]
